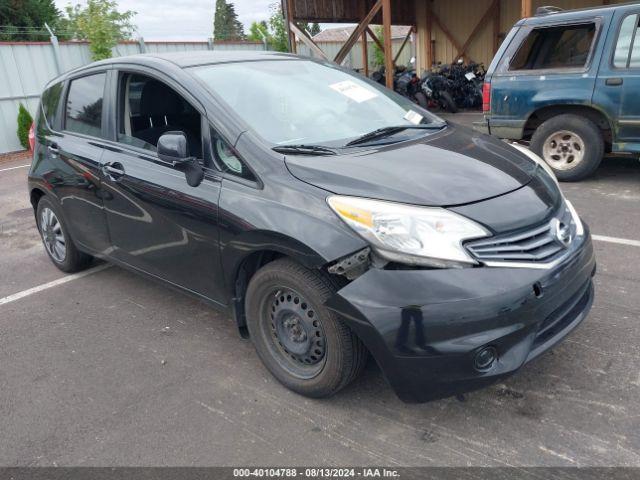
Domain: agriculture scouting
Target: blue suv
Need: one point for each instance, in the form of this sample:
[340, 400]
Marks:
[568, 82]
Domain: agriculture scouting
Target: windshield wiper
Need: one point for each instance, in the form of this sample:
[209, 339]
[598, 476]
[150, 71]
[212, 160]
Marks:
[386, 131]
[304, 150]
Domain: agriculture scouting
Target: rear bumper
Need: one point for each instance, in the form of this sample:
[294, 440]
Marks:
[425, 327]
[509, 129]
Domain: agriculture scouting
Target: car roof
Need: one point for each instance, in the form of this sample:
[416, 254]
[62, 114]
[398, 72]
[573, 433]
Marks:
[577, 14]
[200, 57]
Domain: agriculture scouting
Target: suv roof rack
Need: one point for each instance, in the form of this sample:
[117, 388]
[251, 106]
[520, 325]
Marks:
[548, 10]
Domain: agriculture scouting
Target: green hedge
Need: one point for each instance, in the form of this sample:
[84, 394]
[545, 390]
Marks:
[24, 124]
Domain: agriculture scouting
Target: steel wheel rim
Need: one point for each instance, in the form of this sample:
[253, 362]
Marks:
[294, 333]
[563, 150]
[52, 235]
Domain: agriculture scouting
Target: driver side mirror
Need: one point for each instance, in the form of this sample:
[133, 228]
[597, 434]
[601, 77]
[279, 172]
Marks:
[173, 148]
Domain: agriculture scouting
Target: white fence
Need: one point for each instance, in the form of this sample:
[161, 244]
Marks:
[26, 67]
[354, 58]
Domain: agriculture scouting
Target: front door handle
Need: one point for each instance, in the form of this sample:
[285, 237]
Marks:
[614, 82]
[113, 170]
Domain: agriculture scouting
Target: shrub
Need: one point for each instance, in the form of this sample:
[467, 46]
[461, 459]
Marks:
[24, 124]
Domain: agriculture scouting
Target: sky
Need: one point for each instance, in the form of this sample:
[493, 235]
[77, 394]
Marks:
[182, 19]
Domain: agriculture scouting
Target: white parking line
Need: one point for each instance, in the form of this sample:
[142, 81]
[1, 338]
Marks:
[14, 168]
[620, 241]
[54, 283]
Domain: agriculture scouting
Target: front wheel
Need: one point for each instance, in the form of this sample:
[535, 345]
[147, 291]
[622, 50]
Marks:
[306, 346]
[571, 145]
[447, 102]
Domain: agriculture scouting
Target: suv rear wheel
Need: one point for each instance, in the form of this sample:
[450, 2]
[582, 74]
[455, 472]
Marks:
[302, 343]
[571, 145]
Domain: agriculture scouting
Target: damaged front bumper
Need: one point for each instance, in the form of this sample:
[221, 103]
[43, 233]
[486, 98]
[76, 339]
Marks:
[425, 328]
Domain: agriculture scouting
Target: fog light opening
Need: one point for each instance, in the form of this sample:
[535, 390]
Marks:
[485, 358]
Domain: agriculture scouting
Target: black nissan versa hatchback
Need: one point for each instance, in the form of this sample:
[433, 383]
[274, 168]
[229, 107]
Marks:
[329, 216]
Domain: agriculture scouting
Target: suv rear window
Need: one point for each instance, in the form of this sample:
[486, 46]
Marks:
[49, 102]
[84, 105]
[566, 46]
[628, 46]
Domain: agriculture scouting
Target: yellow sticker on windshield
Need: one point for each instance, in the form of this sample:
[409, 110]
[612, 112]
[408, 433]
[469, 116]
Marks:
[355, 92]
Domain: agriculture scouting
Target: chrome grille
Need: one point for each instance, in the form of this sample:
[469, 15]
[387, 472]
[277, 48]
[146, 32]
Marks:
[541, 244]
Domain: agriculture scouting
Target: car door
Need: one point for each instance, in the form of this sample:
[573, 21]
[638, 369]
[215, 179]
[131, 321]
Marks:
[618, 81]
[76, 155]
[157, 222]
[545, 64]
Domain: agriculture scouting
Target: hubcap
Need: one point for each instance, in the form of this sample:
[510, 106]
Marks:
[296, 333]
[52, 235]
[563, 150]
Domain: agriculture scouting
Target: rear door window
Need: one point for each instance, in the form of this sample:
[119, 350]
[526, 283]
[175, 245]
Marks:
[84, 105]
[627, 53]
[557, 47]
[50, 101]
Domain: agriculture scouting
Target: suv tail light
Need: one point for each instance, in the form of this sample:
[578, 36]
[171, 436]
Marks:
[32, 136]
[486, 97]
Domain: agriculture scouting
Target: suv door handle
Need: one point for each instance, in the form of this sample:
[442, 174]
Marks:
[113, 170]
[614, 82]
[53, 149]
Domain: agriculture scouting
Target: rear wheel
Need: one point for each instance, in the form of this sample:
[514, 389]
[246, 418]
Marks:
[302, 343]
[56, 239]
[571, 145]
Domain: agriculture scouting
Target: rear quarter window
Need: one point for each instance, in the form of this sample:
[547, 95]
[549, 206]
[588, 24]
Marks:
[556, 47]
[627, 52]
[84, 105]
[50, 101]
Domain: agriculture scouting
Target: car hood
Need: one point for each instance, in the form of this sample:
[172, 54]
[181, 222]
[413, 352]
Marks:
[454, 166]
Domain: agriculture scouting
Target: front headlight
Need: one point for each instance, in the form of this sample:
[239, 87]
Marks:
[425, 236]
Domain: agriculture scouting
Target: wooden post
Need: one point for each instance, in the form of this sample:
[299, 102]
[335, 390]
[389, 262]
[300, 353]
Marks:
[308, 41]
[357, 32]
[527, 9]
[428, 40]
[388, 53]
[365, 54]
[404, 44]
[497, 20]
[288, 19]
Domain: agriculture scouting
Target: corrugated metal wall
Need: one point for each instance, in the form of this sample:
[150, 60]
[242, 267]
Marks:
[461, 16]
[354, 58]
[26, 68]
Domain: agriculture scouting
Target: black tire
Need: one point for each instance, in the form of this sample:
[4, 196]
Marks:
[276, 294]
[585, 131]
[73, 259]
[421, 98]
[447, 102]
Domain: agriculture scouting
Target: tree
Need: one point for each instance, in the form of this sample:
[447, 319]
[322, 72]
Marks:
[378, 53]
[279, 36]
[23, 20]
[101, 24]
[259, 31]
[315, 29]
[226, 25]
[24, 125]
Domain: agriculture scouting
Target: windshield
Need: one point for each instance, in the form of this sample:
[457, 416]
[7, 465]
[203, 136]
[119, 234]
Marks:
[305, 102]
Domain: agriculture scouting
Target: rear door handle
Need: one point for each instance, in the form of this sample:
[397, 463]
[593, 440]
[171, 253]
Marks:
[53, 149]
[614, 82]
[113, 170]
